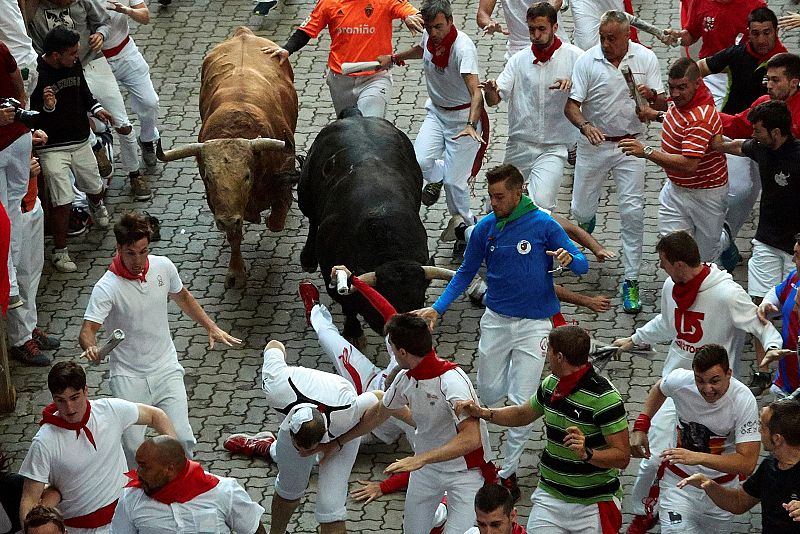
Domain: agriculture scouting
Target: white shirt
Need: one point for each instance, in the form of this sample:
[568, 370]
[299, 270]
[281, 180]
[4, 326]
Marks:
[713, 428]
[603, 94]
[431, 403]
[446, 87]
[119, 28]
[225, 508]
[526, 88]
[140, 310]
[13, 34]
[312, 387]
[88, 479]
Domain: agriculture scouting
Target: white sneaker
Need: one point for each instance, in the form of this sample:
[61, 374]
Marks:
[477, 290]
[449, 233]
[99, 214]
[62, 262]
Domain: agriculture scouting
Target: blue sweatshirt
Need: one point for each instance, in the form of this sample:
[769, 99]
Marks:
[516, 265]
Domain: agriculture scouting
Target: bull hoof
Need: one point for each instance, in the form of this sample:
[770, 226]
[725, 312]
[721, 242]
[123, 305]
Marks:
[308, 261]
[235, 280]
[359, 343]
[276, 222]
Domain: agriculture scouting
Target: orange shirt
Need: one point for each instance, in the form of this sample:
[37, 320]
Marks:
[360, 30]
[688, 133]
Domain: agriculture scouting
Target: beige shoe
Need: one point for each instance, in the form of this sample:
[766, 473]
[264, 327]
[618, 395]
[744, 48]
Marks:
[140, 186]
[449, 233]
[62, 262]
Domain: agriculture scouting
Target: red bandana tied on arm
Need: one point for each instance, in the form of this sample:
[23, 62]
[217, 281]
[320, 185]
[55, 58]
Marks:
[761, 58]
[544, 55]
[190, 483]
[566, 384]
[431, 366]
[441, 54]
[49, 417]
[118, 268]
[686, 293]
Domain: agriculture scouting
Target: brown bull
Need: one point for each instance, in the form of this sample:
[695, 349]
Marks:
[245, 152]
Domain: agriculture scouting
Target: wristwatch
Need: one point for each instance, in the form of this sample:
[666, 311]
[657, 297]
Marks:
[589, 453]
[648, 151]
[660, 116]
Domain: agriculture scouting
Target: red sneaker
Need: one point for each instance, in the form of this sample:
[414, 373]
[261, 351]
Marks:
[250, 446]
[310, 297]
[641, 524]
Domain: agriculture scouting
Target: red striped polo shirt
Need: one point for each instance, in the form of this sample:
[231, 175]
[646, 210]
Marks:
[687, 132]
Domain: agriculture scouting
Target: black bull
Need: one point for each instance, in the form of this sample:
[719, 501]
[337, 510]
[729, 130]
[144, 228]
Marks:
[360, 188]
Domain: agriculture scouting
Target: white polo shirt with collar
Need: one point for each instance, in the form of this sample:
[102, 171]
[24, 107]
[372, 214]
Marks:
[603, 94]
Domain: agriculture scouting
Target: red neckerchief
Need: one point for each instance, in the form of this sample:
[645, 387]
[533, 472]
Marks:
[516, 528]
[441, 56]
[190, 483]
[567, 383]
[49, 417]
[761, 58]
[431, 366]
[685, 294]
[118, 268]
[543, 56]
[702, 97]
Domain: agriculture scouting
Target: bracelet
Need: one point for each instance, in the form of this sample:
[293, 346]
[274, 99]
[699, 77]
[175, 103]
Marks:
[397, 61]
[474, 124]
[642, 423]
[491, 415]
[582, 125]
[339, 443]
[653, 96]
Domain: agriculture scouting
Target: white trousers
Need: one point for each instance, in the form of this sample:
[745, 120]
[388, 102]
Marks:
[133, 73]
[511, 358]
[295, 470]
[586, 14]
[550, 515]
[542, 166]
[370, 93]
[701, 212]
[718, 86]
[351, 364]
[690, 510]
[427, 486]
[442, 158]
[591, 168]
[27, 247]
[768, 266]
[660, 436]
[167, 392]
[15, 172]
[101, 530]
[744, 188]
[103, 85]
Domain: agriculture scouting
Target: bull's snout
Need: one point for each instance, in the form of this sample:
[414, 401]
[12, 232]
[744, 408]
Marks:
[229, 224]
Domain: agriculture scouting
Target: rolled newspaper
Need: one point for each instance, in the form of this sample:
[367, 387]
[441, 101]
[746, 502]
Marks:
[341, 283]
[641, 103]
[360, 66]
[648, 27]
[117, 337]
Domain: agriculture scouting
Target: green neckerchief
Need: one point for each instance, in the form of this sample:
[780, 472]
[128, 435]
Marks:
[525, 205]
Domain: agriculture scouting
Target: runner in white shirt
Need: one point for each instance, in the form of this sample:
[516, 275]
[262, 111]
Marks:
[717, 436]
[13, 34]
[536, 83]
[449, 451]
[87, 471]
[587, 15]
[133, 296]
[133, 73]
[601, 107]
[171, 494]
[318, 407]
[450, 136]
[515, 13]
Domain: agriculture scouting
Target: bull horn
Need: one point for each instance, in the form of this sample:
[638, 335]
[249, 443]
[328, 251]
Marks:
[437, 273]
[262, 143]
[369, 278]
[185, 151]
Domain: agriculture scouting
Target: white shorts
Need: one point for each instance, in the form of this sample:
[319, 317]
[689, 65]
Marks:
[56, 166]
[550, 515]
[295, 470]
[768, 266]
[690, 510]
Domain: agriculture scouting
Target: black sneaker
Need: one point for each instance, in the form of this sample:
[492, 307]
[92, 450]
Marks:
[511, 484]
[79, 221]
[431, 193]
[262, 8]
[760, 382]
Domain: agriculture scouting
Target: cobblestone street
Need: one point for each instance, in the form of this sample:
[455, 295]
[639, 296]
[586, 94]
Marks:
[223, 384]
